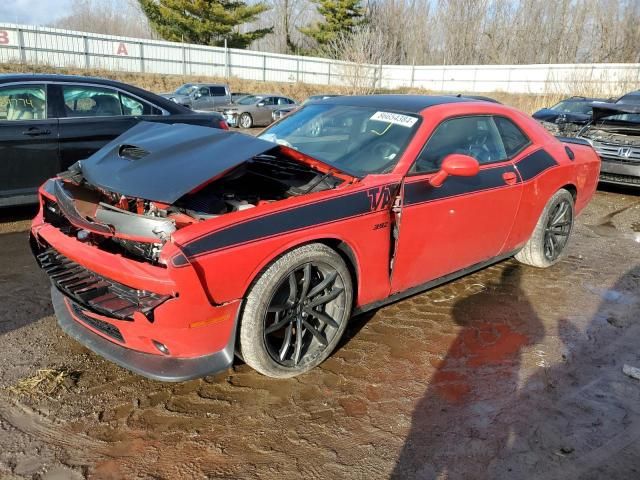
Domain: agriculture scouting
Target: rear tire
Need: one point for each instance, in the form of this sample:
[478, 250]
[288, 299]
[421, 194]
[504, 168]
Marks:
[296, 312]
[245, 121]
[550, 237]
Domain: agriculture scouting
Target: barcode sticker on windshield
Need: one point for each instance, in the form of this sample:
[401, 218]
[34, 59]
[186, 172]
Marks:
[395, 118]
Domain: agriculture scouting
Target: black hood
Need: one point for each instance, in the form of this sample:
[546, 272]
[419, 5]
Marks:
[602, 110]
[163, 162]
[555, 116]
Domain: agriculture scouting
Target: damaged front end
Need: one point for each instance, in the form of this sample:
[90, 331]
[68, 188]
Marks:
[131, 196]
[104, 235]
[614, 134]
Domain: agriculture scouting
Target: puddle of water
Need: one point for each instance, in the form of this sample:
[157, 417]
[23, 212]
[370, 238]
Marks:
[611, 295]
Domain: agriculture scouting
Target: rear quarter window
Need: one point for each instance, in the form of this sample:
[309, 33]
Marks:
[513, 138]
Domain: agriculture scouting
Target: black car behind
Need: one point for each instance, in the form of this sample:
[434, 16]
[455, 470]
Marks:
[48, 122]
[567, 117]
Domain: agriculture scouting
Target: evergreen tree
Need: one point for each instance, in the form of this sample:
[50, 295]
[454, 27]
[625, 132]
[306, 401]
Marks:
[205, 22]
[340, 16]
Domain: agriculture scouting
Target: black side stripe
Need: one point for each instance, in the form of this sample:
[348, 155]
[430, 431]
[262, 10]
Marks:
[305, 216]
[420, 192]
[528, 167]
[534, 164]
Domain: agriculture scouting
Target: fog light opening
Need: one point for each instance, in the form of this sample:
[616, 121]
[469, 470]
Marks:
[161, 347]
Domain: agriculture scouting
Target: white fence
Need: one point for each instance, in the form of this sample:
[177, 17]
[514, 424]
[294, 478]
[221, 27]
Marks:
[64, 48]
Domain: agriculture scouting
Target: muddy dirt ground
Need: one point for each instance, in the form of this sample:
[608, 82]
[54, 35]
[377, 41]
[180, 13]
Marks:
[509, 373]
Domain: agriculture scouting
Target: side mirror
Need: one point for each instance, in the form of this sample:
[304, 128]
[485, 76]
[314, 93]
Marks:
[456, 165]
[261, 104]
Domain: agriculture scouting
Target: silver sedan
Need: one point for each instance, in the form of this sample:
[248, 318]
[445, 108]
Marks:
[255, 110]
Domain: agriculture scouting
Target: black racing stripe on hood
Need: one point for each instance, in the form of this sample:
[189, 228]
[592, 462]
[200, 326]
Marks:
[178, 159]
[305, 216]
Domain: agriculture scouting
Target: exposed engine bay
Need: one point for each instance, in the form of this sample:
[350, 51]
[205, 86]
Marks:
[137, 227]
[619, 135]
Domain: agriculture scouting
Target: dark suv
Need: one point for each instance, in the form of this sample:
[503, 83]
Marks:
[48, 122]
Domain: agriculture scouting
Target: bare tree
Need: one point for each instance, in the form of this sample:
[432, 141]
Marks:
[110, 17]
[364, 50]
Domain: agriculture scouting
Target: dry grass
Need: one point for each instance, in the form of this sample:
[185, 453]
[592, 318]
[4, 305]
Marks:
[45, 382]
[299, 91]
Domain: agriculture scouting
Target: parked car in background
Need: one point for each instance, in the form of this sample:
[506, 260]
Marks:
[48, 122]
[614, 132]
[567, 117]
[281, 112]
[255, 110]
[235, 96]
[201, 96]
[267, 246]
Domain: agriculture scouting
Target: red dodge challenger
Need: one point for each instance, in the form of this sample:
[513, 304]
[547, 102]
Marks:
[175, 247]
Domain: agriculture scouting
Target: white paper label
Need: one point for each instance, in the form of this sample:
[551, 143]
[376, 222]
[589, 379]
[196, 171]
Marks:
[395, 118]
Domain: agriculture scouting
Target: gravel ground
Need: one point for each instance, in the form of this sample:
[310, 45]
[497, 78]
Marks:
[509, 373]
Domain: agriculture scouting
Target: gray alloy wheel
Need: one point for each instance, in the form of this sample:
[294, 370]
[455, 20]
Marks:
[551, 235]
[245, 120]
[296, 312]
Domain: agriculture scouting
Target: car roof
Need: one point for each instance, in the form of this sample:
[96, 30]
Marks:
[53, 77]
[403, 103]
[582, 99]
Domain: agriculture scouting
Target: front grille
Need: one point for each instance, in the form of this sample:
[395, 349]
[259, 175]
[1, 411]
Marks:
[616, 178]
[611, 152]
[102, 326]
[95, 292]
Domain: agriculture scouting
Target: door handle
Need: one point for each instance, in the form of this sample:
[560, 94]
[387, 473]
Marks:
[509, 178]
[34, 132]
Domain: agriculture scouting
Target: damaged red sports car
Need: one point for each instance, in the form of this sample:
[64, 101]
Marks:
[175, 247]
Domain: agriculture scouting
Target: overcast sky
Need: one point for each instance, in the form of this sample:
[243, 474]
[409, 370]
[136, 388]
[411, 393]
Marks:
[33, 12]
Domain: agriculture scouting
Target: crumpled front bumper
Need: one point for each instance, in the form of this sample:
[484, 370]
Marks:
[173, 333]
[155, 367]
[620, 173]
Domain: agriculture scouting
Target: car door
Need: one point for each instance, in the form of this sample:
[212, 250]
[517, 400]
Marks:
[202, 99]
[92, 116]
[265, 109]
[28, 141]
[465, 221]
[219, 96]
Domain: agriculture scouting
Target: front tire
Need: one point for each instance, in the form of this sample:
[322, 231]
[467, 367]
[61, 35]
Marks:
[245, 120]
[551, 235]
[296, 312]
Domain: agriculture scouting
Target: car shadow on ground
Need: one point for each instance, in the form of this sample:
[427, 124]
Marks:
[19, 213]
[480, 419]
[620, 189]
[24, 296]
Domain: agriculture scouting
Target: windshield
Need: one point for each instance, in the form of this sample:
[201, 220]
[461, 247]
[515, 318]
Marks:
[572, 106]
[621, 118]
[630, 98]
[357, 140]
[249, 100]
[185, 89]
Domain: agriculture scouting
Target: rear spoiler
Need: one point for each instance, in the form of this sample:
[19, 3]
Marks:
[574, 140]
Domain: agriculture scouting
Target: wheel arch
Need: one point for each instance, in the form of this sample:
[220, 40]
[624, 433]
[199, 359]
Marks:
[339, 245]
[572, 189]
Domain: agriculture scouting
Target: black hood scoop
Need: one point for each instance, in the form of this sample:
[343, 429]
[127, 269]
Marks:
[163, 162]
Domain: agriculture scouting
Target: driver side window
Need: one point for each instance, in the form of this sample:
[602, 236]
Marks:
[476, 136]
